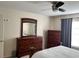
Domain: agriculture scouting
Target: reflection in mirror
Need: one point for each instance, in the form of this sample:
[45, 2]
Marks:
[28, 29]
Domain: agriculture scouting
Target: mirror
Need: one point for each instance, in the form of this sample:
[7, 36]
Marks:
[28, 27]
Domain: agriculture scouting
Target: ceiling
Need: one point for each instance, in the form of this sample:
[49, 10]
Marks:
[41, 7]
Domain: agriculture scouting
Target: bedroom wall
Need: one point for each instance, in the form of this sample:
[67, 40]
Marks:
[12, 27]
[69, 16]
[55, 21]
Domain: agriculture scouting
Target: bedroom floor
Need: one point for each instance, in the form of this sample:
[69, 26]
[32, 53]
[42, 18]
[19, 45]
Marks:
[77, 48]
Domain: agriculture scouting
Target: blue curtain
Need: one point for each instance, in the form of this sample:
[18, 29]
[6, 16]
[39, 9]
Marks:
[66, 27]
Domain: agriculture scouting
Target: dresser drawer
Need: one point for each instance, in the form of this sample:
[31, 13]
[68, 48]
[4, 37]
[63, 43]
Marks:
[53, 38]
[24, 44]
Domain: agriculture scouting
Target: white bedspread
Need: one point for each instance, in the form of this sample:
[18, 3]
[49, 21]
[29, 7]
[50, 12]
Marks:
[57, 52]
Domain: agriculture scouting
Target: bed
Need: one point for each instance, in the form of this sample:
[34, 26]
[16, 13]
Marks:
[57, 52]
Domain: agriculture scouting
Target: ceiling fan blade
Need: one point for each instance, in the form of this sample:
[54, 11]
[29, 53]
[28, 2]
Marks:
[58, 4]
[62, 10]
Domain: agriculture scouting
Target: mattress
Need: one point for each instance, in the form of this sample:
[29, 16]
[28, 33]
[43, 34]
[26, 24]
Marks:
[57, 52]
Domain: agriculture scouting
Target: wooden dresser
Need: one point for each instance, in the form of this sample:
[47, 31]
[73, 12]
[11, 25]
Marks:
[28, 45]
[53, 38]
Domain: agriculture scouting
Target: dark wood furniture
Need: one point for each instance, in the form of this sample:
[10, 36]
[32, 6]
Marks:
[28, 45]
[53, 38]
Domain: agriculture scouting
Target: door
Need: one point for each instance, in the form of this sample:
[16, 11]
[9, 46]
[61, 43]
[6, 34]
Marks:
[1, 37]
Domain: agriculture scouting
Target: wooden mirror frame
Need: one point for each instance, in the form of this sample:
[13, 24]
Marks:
[28, 20]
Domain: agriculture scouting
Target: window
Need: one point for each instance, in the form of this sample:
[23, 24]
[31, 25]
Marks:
[75, 33]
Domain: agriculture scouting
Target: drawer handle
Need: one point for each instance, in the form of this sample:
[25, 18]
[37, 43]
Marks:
[32, 47]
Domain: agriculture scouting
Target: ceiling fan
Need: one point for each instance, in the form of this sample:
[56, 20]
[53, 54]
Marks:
[56, 6]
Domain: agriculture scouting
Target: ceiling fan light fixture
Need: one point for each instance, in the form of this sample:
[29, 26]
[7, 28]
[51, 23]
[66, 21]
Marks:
[56, 6]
